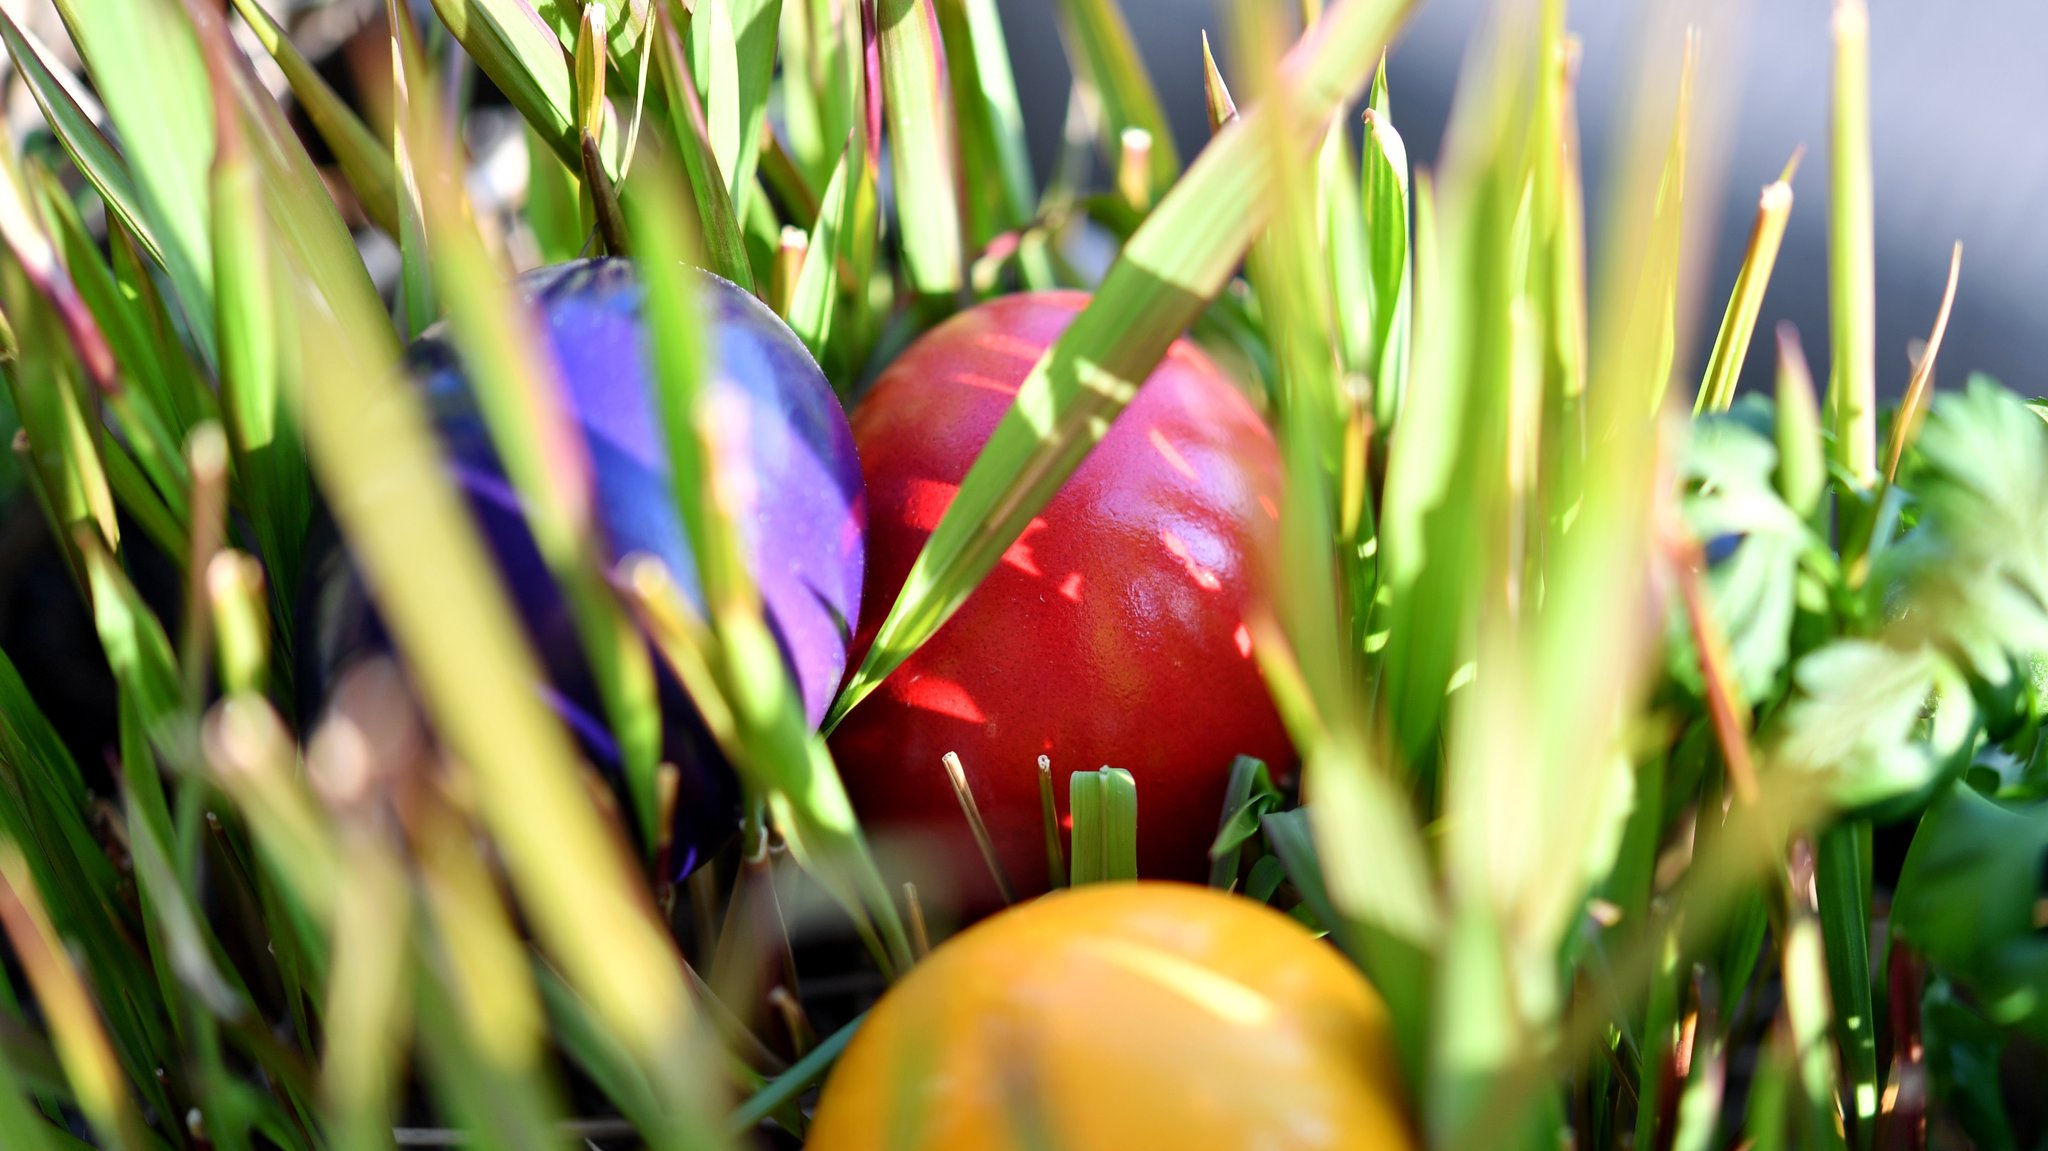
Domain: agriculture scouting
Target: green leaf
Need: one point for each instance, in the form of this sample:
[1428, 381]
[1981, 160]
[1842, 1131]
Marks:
[1159, 283]
[1103, 805]
[822, 84]
[920, 117]
[1966, 901]
[988, 118]
[364, 160]
[1106, 58]
[1860, 719]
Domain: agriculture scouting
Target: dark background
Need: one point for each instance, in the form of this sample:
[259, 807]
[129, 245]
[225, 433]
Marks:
[1958, 91]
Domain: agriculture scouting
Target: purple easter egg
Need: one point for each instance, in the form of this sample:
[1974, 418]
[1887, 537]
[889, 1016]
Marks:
[804, 531]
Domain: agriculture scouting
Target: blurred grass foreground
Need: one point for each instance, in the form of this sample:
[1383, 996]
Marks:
[515, 708]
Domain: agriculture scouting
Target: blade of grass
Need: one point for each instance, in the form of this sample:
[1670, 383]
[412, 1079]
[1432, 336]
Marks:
[145, 64]
[476, 677]
[364, 161]
[522, 403]
[714, 62]
[82, 1045]
[1852, 274]
[1844, 898]
[368, 996]
[777, 750]
[989, 121]
[920, 116]
[823, 312]
[522, 56]
[551, 210]
[417, 301]
[1105, 58]
[1384, 201]
[1104, 807]
[1905, 423]
[1731, 346]
[725, 249]
[250, 329]
[1156, 287]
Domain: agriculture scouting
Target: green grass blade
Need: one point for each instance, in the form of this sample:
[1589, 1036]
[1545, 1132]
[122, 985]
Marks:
[1731, 346]
[1104, 807]
[827, 303]
[755, 28]
[146, 65]
[1852, 270]
[776, 749]
[1106, 58]
[21, 1125]
[1804, 968]
[920, 118]
[522, 55]
[58, 94]
[714, 62]
[252, 333]
[1844, 898]
[821, 85]
[81, 1041]
[551, 210]
[724, 248]
[988, 118]
[1177, 262]
[1384, 199]
[364, 161]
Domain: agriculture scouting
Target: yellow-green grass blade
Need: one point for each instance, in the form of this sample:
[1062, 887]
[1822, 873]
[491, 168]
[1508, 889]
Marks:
[987, 116]
[724, 247]
[1105, 57]
[1852, 271]
[523, 406]
[44, 811]
[551, 211]
[1384, 202]
[368, 996]
[251, 330]
[418, 305]
[714, 62]
[1373, 864]
[21, 1125]
[82, 1045]
[1174, 265]
[1104, 808]
[755, 28]
[62, 439]
[522, 55]
[145, 64]
[154, 413]
[58, 94]
[1804, 970]
[591, 113]
[192, 398]
[1738, 323]
[827, 304]
[776, 749]
[1802, 439]
[476, 675]
[821, 83]
[364, 161]
[919, 111]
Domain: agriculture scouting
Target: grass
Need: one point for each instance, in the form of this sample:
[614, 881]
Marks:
[1611, 716]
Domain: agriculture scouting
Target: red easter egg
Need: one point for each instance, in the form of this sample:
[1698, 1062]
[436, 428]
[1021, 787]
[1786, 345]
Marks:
[1112, 632]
